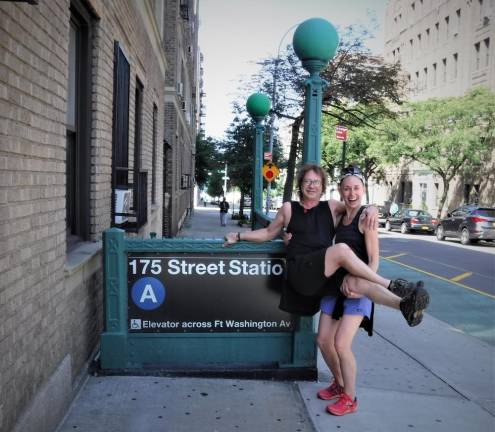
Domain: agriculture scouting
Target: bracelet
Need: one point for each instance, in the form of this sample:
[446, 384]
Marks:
[238, 236]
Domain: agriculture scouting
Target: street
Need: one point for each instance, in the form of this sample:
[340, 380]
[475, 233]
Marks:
[460, 279]
[472, 267]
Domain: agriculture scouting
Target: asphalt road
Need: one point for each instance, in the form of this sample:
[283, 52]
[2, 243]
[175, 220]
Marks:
[460, 279]
[471, 267]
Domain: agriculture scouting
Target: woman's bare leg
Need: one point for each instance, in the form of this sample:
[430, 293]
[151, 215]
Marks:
[341, 255]
[359, 287]
[327, 328]
[349, 325]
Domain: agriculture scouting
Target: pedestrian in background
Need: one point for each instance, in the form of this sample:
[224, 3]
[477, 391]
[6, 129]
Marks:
[224, 209]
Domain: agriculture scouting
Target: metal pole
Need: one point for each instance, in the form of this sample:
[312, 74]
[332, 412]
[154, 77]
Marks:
[225, 178]
[344, 148]
[312, 112]
[257, 198]
[272, 115]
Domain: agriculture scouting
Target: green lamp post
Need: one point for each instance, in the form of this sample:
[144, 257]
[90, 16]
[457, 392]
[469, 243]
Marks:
[315, 42]
[258, 105]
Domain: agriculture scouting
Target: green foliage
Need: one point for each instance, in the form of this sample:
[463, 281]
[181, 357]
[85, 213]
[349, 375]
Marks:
[207, 159]
[362, 91]
[238, 153]
[361, 148]
[451, 136]
[215, 184]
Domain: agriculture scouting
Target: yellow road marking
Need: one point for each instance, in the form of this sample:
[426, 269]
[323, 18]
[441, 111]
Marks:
[395, 256]
[461, 276]
[442, 278]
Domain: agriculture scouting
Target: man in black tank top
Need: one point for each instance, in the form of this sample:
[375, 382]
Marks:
[312, 260]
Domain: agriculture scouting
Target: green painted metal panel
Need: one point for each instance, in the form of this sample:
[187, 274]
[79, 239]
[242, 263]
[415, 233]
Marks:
[121, 349]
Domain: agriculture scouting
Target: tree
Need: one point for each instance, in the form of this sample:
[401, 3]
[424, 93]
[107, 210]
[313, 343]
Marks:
[451, 136]
[215, 183]
[238, 151]
[360, 150]
[361, 90]
[206, 158]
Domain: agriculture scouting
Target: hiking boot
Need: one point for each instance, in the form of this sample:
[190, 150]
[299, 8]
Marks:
[413, 305]
[345, 405]
[401, 287]
[334, 391]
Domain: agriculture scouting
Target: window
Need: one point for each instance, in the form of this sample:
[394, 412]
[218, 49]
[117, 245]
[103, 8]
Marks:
[419, 42]
[434, 74]
[455, 65]
[444, 70]
[78, 126]
[437, 32]
[427, 37]
[467, 193]
[458, 19]
[481, 9]
[424, 192]
[411, 48]
[425, 78]
[140, 186]
[476, 56]
[447, 27]
[153, 155]
[486, 44]
[129, 200]
[121, 118]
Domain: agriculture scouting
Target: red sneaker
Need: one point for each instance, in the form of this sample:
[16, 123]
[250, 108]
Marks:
[345, 405]
[334, 391]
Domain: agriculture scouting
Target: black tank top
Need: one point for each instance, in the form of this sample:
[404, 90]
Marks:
[352, 237]
[311, 229]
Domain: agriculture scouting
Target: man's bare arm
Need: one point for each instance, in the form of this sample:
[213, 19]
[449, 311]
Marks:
[260, 235]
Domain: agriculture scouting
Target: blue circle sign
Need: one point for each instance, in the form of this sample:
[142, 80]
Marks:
[148, 293]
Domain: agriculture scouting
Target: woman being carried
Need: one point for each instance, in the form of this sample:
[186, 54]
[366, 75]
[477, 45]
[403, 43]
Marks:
[340, 316]
[311, 258]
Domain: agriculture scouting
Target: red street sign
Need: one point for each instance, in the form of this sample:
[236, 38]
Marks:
[268, 156]
[341, 133]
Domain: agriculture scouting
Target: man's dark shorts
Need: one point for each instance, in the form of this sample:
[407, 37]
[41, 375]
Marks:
[306, 275]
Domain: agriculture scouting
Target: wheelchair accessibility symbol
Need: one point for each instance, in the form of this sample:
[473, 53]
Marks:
[148, 293]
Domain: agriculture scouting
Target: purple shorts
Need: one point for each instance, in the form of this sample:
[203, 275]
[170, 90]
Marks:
[356, 306]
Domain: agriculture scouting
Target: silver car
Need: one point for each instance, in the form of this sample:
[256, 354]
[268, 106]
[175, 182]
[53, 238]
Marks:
[470, 223]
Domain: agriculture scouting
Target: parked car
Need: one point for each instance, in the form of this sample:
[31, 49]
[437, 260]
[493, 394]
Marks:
[382, 215]
[411, 220]
[469, 223]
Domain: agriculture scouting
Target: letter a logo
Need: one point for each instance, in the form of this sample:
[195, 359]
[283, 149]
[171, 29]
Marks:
[148, 293]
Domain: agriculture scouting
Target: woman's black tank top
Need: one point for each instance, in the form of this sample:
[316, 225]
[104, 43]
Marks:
[352, 237]
[311, 229]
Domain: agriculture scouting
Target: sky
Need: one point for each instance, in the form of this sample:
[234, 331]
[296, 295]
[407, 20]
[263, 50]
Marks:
[234, 34]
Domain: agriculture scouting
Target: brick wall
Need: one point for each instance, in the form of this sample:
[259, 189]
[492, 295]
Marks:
[180, 131]
[50, 300]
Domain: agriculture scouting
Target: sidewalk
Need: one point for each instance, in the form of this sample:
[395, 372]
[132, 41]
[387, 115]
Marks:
[431, 378]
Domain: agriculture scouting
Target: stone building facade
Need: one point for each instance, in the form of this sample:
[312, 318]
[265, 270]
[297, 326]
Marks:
[182, 104]
[83, 123]
[445, 48]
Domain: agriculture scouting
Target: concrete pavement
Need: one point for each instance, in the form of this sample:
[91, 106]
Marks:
[430, 378]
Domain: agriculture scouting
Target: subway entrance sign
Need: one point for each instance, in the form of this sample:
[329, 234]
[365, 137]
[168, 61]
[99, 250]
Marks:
[191, 306]
[183, 293]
